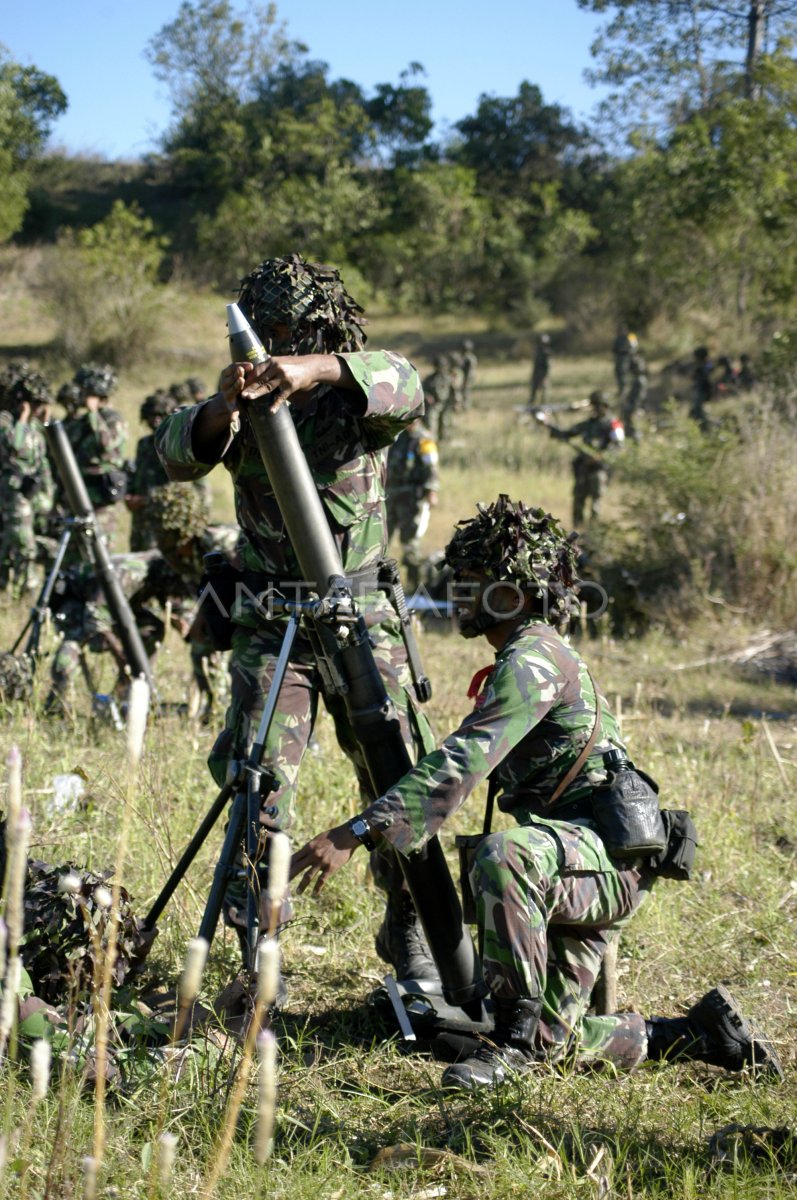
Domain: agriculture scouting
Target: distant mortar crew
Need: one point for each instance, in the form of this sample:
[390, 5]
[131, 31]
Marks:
[470, 364]
[597, 437]
[439, 396]
[348, 405]
[636, 395]
[702, 387]
[26, 483]
[99, 440]
[556, 888]
[624, 347]
[179, 516]
[540, 373]
[413, 482]
[81, 615]
[747, 376]
[148, 471]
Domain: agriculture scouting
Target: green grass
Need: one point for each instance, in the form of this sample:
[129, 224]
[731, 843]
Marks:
[347, 1089]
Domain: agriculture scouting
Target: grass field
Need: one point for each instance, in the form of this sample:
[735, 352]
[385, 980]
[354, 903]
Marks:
[721, 744]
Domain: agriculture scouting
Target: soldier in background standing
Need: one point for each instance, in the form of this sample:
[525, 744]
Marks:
[437, 391]
[148, 472]
[597, 436]
[469, 364]
[99, 440]
[637, 394]
[26, 483]
[411, 492]
[540, 374]
[624, 347]
[702, 388]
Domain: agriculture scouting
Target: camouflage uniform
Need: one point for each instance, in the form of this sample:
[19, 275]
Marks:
[99, 440]
[702, 388]
[624, 347]
[637, 394]
[344, 435]
[549, 897]
[438, 393]
[26, 487]
[469, 364]
[411, 477]
[540, 373]
[590, 471]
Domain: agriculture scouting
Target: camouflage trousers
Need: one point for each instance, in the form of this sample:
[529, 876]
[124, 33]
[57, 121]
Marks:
[589, 484]
[252, 666]
[408, 516]
[18, 543]
[549, 900]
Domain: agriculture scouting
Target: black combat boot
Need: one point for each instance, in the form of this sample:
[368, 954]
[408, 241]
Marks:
[402, 942]
[508, 1051]
[713, 1031]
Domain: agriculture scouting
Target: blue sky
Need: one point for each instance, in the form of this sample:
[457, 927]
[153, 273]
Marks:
[117, 108]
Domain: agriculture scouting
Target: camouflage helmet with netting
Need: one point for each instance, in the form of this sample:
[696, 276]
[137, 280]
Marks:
[69, 396]
[178, 512]
[309, 299]
[21, 384]
[95, 379]
[196, 387]
[158, 404]
[180, 393]
[16, 677]
[528, 547]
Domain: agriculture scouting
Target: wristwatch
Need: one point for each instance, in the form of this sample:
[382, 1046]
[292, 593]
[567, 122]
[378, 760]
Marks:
[362, 831]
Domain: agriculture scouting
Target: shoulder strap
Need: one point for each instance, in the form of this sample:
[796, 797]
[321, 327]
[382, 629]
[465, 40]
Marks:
[585, 753]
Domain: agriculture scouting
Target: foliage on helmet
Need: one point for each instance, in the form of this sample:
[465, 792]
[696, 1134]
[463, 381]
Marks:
[178, 512]
[180, 393]
[16, 677]
[95, 379]
[309, 299]
[20, 384]
[509, 542]
[158, 404]
[196, 387]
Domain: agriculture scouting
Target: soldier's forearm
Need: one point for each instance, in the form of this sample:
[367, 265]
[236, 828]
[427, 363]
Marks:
[211, 429]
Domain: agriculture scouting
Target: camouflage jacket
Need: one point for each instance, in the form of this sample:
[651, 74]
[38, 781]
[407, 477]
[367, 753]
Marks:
[99, 440]
[344, 435]
[148, 469]
[412, 464]
[531, 721]
[24, 467]
[79, 602]
[595, 432]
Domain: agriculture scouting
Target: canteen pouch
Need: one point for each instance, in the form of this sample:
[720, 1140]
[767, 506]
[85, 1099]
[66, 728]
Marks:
[677, 859]
[113, 486]
[467, 844]
[626, 812]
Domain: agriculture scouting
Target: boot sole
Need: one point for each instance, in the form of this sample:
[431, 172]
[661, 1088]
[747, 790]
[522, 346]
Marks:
[765, 1059]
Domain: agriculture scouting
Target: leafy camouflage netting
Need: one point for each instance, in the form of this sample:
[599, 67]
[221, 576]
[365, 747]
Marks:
[526, 546]
[16, 677]
[309, 299]
[95, 379]
[158, 404]
[177, 511]
[58, 948]
[20, 383]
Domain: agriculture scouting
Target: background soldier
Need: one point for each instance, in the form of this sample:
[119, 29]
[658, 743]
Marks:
[624, 347]
[412, 486]
[99, 440]
[179, 517]
[469, 364]
[540, 373]
[637, 394]
[597, 436]
[549, 895]
[148, 472]
[348, 406]
[438, 394]
[26, 483]
[702, 388]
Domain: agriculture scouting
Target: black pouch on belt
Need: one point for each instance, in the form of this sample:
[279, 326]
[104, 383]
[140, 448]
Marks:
[626, 810]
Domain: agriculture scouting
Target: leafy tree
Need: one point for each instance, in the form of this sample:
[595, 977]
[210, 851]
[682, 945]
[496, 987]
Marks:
[401, 116]
[30, 101]
[103, 287]
[666, 59]
[511, 142]
[210, 52]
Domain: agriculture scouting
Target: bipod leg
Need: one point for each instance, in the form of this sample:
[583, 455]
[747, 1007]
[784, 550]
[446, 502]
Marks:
[227, 867]
[43, 600]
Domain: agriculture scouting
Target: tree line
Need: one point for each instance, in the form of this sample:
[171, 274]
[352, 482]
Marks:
[678, 197]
